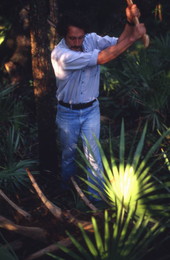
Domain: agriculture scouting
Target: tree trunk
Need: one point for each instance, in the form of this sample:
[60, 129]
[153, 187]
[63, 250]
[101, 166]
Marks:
[42, 41]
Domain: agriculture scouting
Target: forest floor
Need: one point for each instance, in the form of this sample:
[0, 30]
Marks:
[33, 235]
[32, 244]
[17, 230]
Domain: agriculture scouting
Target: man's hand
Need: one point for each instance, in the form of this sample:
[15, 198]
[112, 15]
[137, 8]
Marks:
[138, 32]
[132, 12]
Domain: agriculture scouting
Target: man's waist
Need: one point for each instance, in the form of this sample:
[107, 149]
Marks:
[77, 106]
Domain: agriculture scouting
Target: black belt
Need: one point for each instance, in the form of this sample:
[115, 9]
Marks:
[77, 106]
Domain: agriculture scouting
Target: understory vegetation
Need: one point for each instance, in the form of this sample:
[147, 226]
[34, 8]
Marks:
[133, 221]
[37, 219]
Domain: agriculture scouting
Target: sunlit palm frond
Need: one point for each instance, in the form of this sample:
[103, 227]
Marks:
[120, 236]
[130, 180]
[135, 183]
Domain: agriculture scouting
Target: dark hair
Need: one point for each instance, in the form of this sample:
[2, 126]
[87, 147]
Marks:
[72, 18]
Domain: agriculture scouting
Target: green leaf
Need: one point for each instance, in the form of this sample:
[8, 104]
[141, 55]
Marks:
[89, 243]
[99, 242]
[122, 149]
[80, 248]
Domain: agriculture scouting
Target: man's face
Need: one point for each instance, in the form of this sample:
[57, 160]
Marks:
[74, 38]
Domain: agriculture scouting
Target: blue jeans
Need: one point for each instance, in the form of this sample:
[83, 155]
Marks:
[72, 124]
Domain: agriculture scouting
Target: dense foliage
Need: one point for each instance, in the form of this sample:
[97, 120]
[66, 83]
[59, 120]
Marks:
[135, 87]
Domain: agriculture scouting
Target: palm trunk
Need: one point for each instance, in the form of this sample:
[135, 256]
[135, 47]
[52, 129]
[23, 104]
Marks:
[44, 82]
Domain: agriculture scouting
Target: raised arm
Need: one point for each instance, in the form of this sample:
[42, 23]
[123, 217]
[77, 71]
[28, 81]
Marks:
[129, 35]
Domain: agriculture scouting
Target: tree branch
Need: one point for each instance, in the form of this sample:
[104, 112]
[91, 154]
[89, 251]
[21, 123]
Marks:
[82, 195]
[17, 208]
[32, 232]
[49, 249]
[56, 211]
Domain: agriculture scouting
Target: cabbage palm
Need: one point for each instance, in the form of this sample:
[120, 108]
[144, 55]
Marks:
[139, 211]
[12, 167]
[120, 236]
[130, 179]
[143, 78]
[148, 78]
[11, 111]
[13, 153]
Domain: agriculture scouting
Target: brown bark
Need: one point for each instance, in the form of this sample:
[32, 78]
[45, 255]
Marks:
[16, 207]
[56, 211]
[44, 82]
[31, 232]
[82, 195]
[50, 249]
[15, 50]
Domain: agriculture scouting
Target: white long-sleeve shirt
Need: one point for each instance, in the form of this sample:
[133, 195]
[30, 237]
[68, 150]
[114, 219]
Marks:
[77, 73]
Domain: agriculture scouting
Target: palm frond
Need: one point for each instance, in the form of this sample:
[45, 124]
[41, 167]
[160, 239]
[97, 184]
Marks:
[130, 181]
[121, 236]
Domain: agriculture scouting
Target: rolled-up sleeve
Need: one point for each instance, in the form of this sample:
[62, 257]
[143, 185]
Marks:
[72, 60]
[104, 42]
[94, 56]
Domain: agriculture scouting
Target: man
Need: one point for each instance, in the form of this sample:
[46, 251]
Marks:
[76, 61]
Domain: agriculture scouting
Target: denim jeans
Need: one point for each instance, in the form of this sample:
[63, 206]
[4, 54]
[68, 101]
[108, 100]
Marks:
[83, 123]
